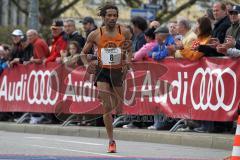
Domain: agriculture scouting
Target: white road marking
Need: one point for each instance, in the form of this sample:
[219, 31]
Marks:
[65, 141]
[72, 150]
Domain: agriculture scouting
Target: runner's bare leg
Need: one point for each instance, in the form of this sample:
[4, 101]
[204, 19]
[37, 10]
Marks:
[104, 96]
[117, 99]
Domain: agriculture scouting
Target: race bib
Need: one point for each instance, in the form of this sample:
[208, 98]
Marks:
[111, 56]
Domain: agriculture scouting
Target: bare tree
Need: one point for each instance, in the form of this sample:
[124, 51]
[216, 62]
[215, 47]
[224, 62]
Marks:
[165, 14]
[48, 9]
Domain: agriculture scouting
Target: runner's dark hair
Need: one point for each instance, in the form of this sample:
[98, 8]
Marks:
[103, 9]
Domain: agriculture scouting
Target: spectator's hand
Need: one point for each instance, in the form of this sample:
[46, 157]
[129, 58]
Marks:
[150, 54]
[32, 59]
[222, 48]
[58, 60]
[153, 55]
[63, 53]
[26, 62]
[230, 42]
[44, 61]
[213, 42]
[171, 50]
[15, 60]
[11, 64]
[179, 44]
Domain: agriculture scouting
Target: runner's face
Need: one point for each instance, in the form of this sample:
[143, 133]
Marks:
[111, 17]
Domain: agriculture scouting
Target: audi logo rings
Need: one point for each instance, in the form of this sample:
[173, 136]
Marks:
[41, 91]
[207, 88]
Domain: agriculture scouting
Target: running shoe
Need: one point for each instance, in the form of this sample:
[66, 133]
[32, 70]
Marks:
[112, 147]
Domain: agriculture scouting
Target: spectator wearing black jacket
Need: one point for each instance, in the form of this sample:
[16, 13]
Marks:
[72, 33]
[26, 53]
[139, 25]
[17, 48]
[88, 25]
[219, 31]
[222, 21]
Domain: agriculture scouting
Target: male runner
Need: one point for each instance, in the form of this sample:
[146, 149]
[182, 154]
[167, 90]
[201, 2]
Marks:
[112, 64]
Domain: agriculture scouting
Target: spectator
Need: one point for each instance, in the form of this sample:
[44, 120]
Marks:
[139, 26]
[25, 54]
[222, 21]
[209, 14]
[234, 30]
[172, 27]
[142, 53]
[27, 51]
[17, 49]
[204, 30]
[232, 42]
[154, 24]
[186, 37]
[72, 33]
[219, 31]
[3, 59]
[88, 25]
[59, 41]
[70, 57]
[164, 40]
[40, 47]
[229, 6]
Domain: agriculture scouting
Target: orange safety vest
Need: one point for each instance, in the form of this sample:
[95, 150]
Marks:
[110, 44]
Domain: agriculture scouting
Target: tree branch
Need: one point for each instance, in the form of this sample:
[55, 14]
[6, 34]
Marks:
[63, 9]
[178, 10]
[164, 9]
[17, 4]
[58, 4]
[133, 3]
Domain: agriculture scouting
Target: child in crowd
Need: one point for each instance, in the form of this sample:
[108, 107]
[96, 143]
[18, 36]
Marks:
[142, 53]
[68, 57]
[3, 58]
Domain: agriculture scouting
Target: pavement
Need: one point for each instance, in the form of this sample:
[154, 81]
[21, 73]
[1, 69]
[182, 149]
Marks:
[204, 140]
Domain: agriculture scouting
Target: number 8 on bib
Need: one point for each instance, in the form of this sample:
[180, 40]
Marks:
[111, 56]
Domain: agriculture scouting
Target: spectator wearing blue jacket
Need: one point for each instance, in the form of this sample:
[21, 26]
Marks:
[166, 44]
[3, 59]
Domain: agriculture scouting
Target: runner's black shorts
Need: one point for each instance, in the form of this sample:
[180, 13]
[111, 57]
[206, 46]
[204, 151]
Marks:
[114, 77]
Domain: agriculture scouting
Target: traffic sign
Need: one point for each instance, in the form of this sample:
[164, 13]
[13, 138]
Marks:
[152, 6]
[148, 14]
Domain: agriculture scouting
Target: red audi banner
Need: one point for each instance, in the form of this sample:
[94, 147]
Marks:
[202, 90]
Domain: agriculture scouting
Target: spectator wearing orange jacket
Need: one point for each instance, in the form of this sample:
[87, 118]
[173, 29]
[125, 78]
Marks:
[204, 30]
[59, 43]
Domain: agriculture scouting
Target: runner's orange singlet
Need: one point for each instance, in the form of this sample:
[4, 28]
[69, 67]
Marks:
[109, 51]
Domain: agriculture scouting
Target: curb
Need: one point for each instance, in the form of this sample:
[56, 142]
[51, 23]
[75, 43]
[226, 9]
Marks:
[205, 140]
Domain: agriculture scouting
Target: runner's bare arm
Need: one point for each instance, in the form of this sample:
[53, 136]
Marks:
[128, 36]
[91, 40]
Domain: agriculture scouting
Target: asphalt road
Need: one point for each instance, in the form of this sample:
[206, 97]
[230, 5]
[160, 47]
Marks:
[48, 147]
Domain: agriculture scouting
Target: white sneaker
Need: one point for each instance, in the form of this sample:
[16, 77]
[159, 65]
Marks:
[152, 128]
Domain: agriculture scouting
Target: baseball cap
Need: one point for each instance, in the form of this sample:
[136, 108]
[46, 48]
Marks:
[57, 24]
[235, 9]
[17, 32]
[87, 20]
[163, 30]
